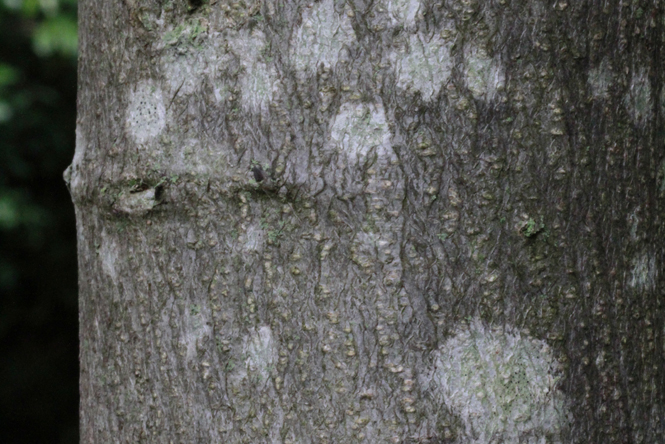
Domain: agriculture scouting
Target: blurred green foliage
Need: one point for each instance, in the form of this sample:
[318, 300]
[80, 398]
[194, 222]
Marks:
[38, 300]
[51, 23]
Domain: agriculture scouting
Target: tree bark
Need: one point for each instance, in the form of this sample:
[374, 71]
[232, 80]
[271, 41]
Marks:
[390, 221]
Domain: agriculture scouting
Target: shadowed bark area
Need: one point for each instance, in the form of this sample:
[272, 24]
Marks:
[389, 221]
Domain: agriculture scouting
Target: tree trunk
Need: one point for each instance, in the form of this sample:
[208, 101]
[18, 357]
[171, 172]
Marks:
[389, 221]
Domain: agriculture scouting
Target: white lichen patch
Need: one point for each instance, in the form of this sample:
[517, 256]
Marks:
[599, 79]
[259, 81]
[638, 100]
[423, 65]
[644, 272]
[359, 128]
[195, 332]
[136, 204]
[186, 56]
[146, 114]
[183, 74]
[633, 220]
[483, 75]
[72, 176]
[321, 37]
[195, 59]
[502, 384]
[108, 254]
[189, 33]
[253, 239]
[261, 352]
[401, 12]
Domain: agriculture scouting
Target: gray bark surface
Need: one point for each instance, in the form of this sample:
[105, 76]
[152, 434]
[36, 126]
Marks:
[390, 221]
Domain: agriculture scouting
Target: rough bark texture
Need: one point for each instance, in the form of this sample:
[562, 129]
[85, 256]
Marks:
[456, 234]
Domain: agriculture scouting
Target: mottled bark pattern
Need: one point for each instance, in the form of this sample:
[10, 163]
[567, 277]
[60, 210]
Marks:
[458, 235]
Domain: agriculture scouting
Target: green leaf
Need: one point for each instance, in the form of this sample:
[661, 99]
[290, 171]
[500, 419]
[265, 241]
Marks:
[49, 7]
[16, 209]
[56, 35]
[8, 75]
[9, 212]
[6, 111]
[30, 8]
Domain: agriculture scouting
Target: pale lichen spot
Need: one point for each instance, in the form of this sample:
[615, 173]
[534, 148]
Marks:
[195, 332]
[359, 128]
[261, 352]
[136, 203]
[74, 179]
[401, 12]
[661, 179]
[600, 79]
[146, 114]
[424, 65]
[253, 239]
[638, 99]
[259, 81]
[186, 35]
[181, 72]
[108, 254]
[633, 220]
[321, 37]
[185, 64]
[644, 273]
[186, 55]
[484, 76]
[502, 384]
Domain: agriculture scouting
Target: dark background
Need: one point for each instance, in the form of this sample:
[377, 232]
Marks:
[38, 296]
